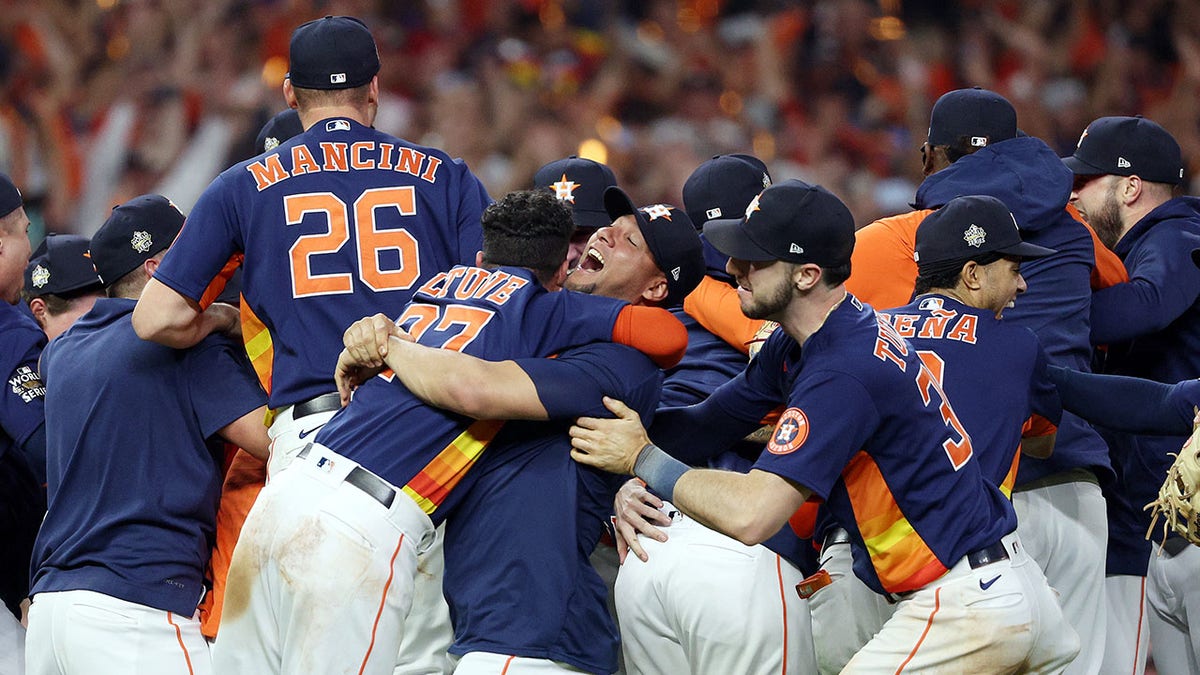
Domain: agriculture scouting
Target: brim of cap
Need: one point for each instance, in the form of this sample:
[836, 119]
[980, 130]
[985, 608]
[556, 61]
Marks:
[589, 219]
[617, 203]
[728, 236]
[1027, 251]
[1082, 168]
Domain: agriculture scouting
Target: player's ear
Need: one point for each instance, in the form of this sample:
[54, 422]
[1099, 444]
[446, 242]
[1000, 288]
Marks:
[37, 307]
[150, 267]
[479, 258]
[969, 275]
[289, 94]
[656, 292]
[560, 277]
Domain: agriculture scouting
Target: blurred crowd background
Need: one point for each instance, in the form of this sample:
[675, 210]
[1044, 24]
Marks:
[103, 100]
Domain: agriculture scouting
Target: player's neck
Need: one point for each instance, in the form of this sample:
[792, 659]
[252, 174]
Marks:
[311, 116]
[806, 313]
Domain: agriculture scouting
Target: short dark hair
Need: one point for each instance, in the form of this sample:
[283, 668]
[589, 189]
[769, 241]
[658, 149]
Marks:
[947, 275]
[309, 98]
[832, 276]
[527, 228]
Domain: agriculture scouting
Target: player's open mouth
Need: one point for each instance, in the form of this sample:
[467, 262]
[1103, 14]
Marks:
[592, 261]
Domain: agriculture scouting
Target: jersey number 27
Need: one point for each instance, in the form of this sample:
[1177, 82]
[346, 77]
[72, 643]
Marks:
[359, 220]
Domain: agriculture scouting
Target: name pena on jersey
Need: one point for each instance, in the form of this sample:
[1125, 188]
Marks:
[337, 156]
[941, 324]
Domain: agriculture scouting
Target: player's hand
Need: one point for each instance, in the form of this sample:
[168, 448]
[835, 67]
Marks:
[636, 511]
[349, 374]
[225, 319]
[609, 444]
[366, 340]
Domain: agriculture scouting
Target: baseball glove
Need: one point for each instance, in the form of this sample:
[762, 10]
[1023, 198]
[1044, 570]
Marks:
[1179, 498]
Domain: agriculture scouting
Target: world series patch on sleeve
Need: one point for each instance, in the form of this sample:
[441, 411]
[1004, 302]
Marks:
[1178, 500]
[27, 384]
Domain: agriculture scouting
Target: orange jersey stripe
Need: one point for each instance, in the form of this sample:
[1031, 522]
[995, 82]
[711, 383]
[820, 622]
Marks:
[901, 559]
[259, 346]
[432, 483]
[1006, 486]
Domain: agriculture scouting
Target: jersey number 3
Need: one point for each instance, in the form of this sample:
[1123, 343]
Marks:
[359, 220]
[929, 380]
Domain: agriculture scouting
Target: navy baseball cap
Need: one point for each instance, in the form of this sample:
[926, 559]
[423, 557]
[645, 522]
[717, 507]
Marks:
[723, 186]
[10, 196]
[335, 52]
[671, 238]
[1127, 146]
[134, 233]
[61, 265]
[971, 118]
[580, 183]
[790, 221]
[967, 228]
[278, 129]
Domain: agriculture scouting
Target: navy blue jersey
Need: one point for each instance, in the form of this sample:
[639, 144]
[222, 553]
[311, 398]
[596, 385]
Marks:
[1152, 326]
[1030, 179]
[869, 430]
[493, 314]
[337, 223]
[133, 487]
[518, 577]
[21, 402]
[965, 348]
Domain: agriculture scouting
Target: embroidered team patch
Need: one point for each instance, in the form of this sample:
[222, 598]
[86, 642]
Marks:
[790, 433]
[26, 384]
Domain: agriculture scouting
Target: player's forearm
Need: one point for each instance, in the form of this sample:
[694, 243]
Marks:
[165, 317]
[748, 507]
[464, 384]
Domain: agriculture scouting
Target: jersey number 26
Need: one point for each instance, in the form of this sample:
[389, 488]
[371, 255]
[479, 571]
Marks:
[361, 221]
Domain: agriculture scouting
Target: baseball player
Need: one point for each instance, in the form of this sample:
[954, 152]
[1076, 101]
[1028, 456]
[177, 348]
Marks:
[526, 495]
[969, 253]
[61, 283]
[1128, 171]
[868, 430]
[391, 468]
[132, 483]
[973, 148]
[22, 428]
[668, 624]
[579, 183]
[336, 223]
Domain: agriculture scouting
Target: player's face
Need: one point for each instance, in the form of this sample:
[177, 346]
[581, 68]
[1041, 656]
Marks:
[14, 254]
[1096, 199]
[616, 263]
[579, 241]
[764, 288]
[1002, 283]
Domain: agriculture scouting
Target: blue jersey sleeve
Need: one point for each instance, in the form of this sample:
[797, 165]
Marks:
[210, 236]
[568, 319]
[1043, 395]
[1163, 284]
[829, 418]
[573, 384]
[222, 383]
[473, 200]
[22, 402]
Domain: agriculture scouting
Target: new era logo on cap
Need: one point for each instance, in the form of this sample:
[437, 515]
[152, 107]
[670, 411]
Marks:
[796, 248]
[675, 273]
[1123, 163]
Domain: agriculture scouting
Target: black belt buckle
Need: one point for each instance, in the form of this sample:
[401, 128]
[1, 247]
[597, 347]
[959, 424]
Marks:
[323, 403]
[371, 484]
[836, 535]
[986, 556]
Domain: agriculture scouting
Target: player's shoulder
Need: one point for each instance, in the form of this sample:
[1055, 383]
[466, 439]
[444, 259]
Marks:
[900, 227]
[18, 326]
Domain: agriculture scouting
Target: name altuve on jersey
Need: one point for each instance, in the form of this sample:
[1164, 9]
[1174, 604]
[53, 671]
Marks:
[340, 156]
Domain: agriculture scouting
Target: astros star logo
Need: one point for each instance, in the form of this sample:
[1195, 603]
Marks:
[790, 433]
[753, 206]
[564, 190]
[657, 211]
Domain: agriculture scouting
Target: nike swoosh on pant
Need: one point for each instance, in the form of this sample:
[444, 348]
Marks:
[984, 585]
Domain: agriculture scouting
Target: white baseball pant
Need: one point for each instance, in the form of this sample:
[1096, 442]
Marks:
[1064, 528]
[1127, 631]
[706, 603]
[87, 632]
[12, 644]
[427, 631]
[321, 580]
[1173, 599]
[846, 614]
[289, 432]
[1001, 617]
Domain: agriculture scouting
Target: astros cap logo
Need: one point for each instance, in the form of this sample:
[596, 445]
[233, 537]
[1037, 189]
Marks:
[564, 190]
[753, 205]
[658, 211]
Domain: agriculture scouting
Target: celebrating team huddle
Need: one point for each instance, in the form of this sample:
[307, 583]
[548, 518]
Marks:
[830, 449]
